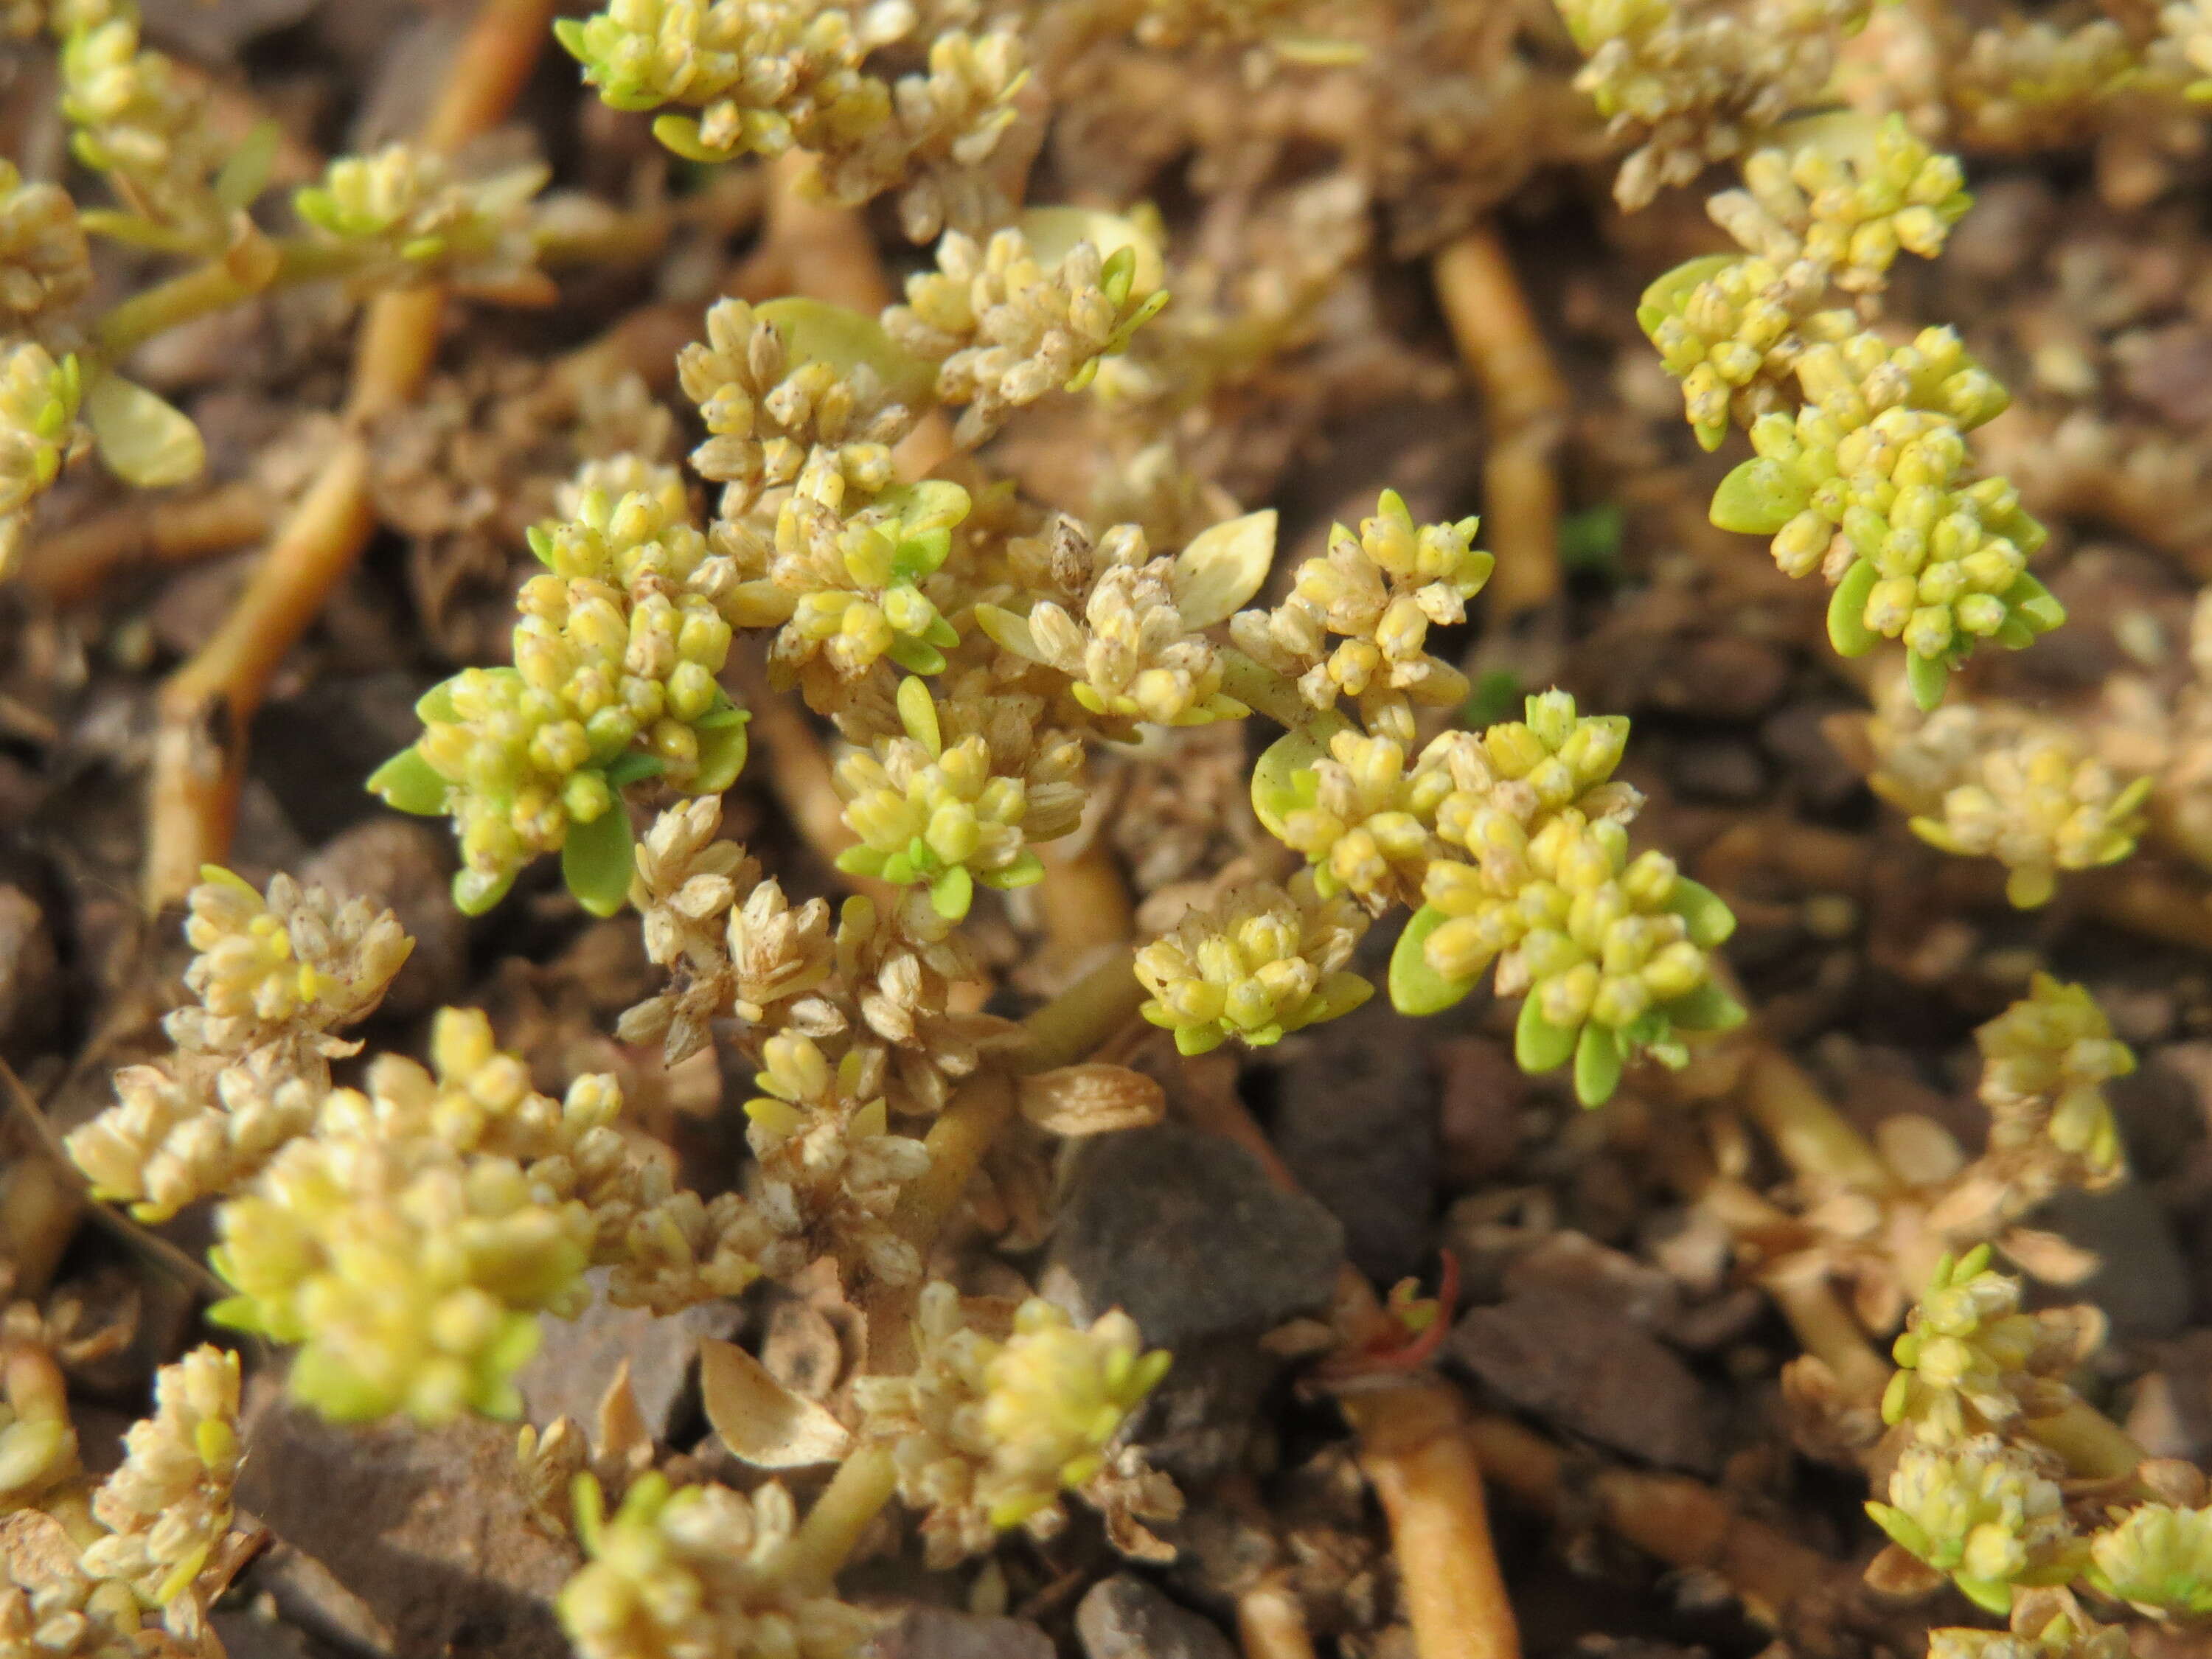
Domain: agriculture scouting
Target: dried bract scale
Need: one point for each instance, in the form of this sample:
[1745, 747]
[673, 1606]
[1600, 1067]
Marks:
[1993, 780]
[950, 148]
[1128, 642]
[1378, 592]
[1006, 325]
[699, 1573]
[44, 265]
[402, 217]
[1261, 962]
[897, 966]
[1697, 85]
[830, 1168]
[2045, 1624]
[2045, 1062]
[39, 433]
[956, 813]
[169, 1505]
[774, 383]
[1982, 1513]
[993, 1425]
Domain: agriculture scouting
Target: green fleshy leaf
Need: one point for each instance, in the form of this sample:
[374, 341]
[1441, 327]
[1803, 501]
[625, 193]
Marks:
[1339, 995]
[1987, 1593]
[916, 656]
[475, 892]
[435, 706]
[1223, 567]
[408, 783]
[633, 766]
[1758, 497]
[681, 134]
[2034, 604]
[1539, 1045]
[1026, 870]
[144, 440]
[235, 1313]
[860, 861]
[814, 330]
[1708, 917]
[597, 861]
[1597, 1064]
[540, 539]
[1416, 989]
[1927, 676]
[570, 32]
[1708, 1008]
[1665, 296]
[722, 749]
[1847, 629]
[245, 174]
[1199, 1039]
[952, 893]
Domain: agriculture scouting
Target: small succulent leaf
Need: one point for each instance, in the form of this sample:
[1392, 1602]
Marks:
[245, 174]
[952, 893]
[596, 861]
[1708, 1008]
[1703, 911]
[814, 330]
[761, 1421]
[1416, 989]
[1665, 296]
[633, 766]
[1758, 497]
[1282, 778]
[1539, 1045]
[476, 891]
[1847, 629]
[144, 440]
[722, 749]
[1597, 1064]
[408, 783]
[1223, 567]
[1927, 676]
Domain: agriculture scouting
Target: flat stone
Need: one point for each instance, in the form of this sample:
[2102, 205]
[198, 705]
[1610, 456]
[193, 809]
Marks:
[427, 1528]
[1574, 1360]
[1184, 1232]
[922, 1633]
[1125, 1618]
[1356, 1120]
[577, 1358]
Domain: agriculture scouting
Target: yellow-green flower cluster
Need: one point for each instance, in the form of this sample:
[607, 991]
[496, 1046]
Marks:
[1126, 641]
[1263, 962]
[43, 265]
[410, 1243]
[616, 656]
[778, 382]
[169, 1504]
[1008, 322]
[986, 1431]
[2045, 1062]
[1989, 781]
[1378, 592]
[39, 434]
[274, 978]
[831, 1169]
[954, 814]
[1729, 328]
[1370, 828]
[401, 216]
[849, 576]
[1920, 550]
[137, 121]
[698, 1572]
[2158, 1559]
[1983, 1513]
[2023, 85]
[1969, 1360]
[763, 74]
[1696, 87]
[1850, 214]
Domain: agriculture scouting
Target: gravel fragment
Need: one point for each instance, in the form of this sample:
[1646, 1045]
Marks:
[1125, 1618]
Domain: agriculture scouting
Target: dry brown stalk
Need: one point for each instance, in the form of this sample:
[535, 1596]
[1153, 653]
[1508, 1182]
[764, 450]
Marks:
[73, 564]
[206, 707]
[1526, 401]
